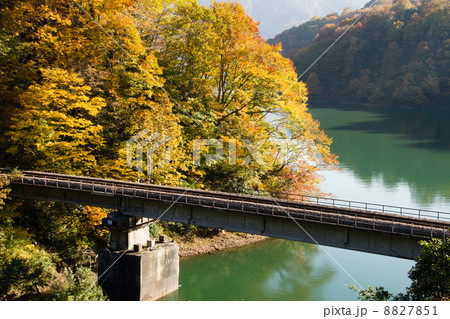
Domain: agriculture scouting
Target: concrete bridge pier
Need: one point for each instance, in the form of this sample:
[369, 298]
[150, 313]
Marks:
[135, 267]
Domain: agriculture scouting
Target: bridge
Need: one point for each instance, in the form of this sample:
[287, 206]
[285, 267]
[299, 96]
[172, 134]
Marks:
[380, 229]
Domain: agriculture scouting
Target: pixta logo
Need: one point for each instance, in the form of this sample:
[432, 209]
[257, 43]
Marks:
[147, 143]
[285, 151]
[153, 150]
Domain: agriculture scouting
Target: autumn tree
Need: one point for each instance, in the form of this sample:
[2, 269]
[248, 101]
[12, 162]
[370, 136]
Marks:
[313, 84]
[76, 83]
[227, 80]
[401, 5]
[81, 79]
[54, 129]
[99, 43]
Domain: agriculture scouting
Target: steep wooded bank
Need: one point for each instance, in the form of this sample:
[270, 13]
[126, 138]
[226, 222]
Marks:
[80, 78]
[397, 54]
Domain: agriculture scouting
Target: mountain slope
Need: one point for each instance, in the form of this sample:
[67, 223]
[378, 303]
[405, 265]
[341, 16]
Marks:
[276, 16]
[397, 54]
[303, 35]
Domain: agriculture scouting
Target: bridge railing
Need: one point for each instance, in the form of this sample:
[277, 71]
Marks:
[111, 188]
[380, 208]
[342, 203]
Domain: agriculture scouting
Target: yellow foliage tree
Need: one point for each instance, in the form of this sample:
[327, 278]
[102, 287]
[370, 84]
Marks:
[54, 129]
[235, 86]
[99, 42]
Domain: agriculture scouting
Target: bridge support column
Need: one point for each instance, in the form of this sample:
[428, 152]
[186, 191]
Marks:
[136, 267]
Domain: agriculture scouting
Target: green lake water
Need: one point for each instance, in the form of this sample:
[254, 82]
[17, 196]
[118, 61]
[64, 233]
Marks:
[390, 156]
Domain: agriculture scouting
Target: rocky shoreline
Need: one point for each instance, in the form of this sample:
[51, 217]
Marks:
[191, 246]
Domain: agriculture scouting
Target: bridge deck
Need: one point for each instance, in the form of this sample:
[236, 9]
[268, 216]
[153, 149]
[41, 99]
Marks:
[420, 224]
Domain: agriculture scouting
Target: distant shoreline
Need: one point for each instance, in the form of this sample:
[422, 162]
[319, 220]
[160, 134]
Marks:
[374, 105]
[224, 240]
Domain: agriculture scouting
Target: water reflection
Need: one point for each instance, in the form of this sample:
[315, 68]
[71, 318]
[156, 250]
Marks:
[271, 270]
[398, 146]
[396, 156]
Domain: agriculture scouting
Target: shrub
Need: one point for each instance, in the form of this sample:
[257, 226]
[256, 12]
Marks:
[80, 286]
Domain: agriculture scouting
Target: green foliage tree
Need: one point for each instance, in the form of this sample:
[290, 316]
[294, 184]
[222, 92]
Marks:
[430, 276]
[24, 267]
[371, 294]
[79, 286]
[64, 230]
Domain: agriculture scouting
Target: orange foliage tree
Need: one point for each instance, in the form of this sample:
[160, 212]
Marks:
[235, 87]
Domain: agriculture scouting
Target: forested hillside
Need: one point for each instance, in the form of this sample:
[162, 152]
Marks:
[279, 15]
[397, 54]
[305, 34]
[80, 78]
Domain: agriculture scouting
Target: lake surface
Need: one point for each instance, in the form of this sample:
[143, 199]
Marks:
[391, 156]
